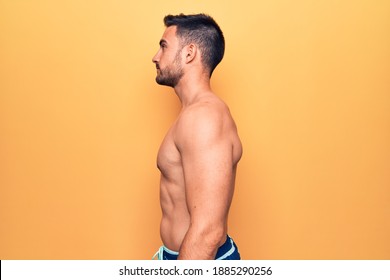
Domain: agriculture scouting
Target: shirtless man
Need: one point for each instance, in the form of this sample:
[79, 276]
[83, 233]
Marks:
[198, 157]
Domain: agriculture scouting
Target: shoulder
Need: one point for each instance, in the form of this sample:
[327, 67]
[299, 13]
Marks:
[205, 121]
[204, 115]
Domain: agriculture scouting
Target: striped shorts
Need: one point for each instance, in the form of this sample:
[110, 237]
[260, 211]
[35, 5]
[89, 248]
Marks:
[228, 251]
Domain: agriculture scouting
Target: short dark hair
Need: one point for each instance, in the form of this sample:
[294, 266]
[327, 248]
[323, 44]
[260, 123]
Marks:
[202, 30]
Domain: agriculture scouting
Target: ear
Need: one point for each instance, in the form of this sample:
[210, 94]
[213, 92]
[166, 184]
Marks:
[191, 51]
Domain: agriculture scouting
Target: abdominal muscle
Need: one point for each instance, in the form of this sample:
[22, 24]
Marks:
[173, 232]
[175, 219]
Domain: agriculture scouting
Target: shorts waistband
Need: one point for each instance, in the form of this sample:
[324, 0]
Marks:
[225, 251]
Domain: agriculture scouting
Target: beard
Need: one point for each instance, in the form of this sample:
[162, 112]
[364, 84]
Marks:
[170, 75]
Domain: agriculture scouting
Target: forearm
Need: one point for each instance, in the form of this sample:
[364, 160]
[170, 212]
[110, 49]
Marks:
[201, 245]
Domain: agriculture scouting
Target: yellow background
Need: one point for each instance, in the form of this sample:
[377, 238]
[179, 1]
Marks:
[81, 120]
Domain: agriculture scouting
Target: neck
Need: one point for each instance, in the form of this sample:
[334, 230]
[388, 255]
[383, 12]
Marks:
[191, 88]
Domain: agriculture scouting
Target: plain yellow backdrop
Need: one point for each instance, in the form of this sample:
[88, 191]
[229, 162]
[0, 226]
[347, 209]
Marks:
[81, 120]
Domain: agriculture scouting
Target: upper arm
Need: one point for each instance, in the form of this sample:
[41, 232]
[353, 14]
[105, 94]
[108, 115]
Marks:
[207, 158]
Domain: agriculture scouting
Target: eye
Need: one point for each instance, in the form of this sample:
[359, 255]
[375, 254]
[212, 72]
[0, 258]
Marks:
[163, 44]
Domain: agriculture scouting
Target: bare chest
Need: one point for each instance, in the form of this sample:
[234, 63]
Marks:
[168, 157]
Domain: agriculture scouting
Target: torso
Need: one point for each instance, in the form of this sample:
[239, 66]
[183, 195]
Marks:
[175, 215]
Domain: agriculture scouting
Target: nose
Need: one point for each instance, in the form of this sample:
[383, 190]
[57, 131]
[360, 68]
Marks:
[156, 57]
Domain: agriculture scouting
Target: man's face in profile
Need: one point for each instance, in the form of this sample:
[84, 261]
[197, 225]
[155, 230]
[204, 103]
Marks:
[168, 59]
